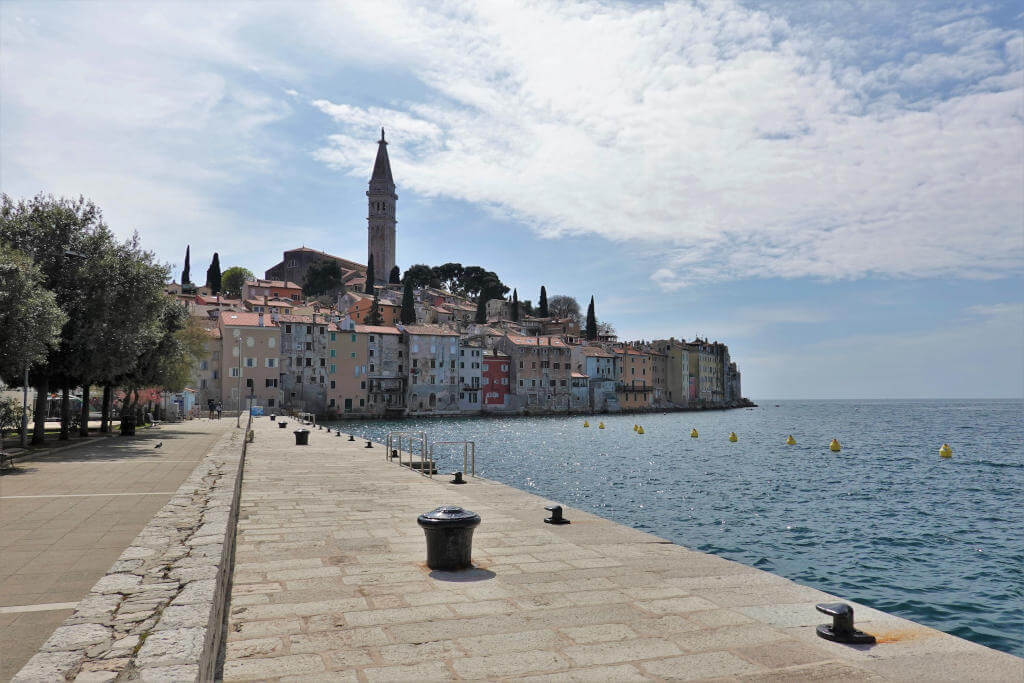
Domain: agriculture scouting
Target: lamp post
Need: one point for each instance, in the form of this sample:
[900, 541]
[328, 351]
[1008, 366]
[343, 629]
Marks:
[238, 391]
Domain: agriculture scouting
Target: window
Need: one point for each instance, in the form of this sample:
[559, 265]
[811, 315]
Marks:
[362, 385]
[544, 364]
[334, 353]
[331, 404]
[556, 366]
[271, 342]
[504, 380]
[504, 367]
[323, 362]
[553, 383]
[563, 382]
[248, 383]
[399, 353]
[371, 352]
[298, 379]
[332, 369]
[269, 383]
[486, 367]
[334, 336]
[332, 384]
[453, 364]
[321, 379]
[215, 374]
[309, 329]
[371, 367]
[271, 362]
[287, 329]
[270, 403]
[415, 362]
[414, 348]
[362, 402]
[202, 365]
[309, 346]
[322, 330]
[371, 337]
[484, 381]
[234, 372]
[352, 355]
[520, 382]
[309, 362]
[461, 364]
[353, 339]
[433, 363]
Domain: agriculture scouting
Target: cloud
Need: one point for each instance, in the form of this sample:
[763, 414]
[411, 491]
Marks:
[722, 137]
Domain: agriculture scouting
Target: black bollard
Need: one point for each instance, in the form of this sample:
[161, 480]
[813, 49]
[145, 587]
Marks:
[458, 478]
[841, 630]
[351, 437]
[369, 444]
[556, 515]
[449, 532]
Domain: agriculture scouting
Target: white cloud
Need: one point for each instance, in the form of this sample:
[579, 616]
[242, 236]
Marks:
[714, 134]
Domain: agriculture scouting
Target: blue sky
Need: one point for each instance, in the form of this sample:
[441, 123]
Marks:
[832, 188]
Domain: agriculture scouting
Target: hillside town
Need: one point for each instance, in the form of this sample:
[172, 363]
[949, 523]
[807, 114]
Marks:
[382, 347]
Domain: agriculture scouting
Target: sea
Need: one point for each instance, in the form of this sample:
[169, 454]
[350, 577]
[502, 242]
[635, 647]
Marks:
[885, 521]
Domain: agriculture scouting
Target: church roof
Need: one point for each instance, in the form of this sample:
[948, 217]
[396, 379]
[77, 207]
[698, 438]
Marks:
[382, 166]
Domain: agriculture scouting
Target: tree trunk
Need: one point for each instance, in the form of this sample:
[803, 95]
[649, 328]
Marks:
[65, 413]
[83, 429]
[108, 394]
[39, 418]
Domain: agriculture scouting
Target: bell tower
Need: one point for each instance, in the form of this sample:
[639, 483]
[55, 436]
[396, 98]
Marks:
[380, 217]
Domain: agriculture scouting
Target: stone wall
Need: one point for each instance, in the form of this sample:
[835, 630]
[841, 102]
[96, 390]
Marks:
[158, 613]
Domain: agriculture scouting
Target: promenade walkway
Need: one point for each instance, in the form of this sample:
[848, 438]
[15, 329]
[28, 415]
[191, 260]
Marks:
[330, 583]
[65, 518]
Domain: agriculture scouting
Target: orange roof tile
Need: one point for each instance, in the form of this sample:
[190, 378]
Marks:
[433, 330]
[245, 319]
[376, 329]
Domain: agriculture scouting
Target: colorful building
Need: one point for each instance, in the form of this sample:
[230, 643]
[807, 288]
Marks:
[494, 381]
[251, 360]
[433, 386]
[540, 372]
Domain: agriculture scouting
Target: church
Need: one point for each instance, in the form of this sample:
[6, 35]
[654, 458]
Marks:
[381, 225]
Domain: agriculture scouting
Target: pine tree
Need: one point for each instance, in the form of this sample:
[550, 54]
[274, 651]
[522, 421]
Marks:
[515, 305]
[186, 279]
[374, 317]
[542, 307]
[369, 275]
[591, 321]
[408, 315]
[481, 310]
[396, 276]
[213, 274]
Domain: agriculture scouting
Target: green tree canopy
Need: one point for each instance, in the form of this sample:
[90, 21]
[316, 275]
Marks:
[323, 277]
[374, 316]
[371, 276]
[408, 315]
[481, 311]
[515, 305]
[542, 305]
[563, 306]
[30, 319]
[419, 275]
[395, 278]
[591, 321]
[233, 279]
[213, 274]
[186, 272]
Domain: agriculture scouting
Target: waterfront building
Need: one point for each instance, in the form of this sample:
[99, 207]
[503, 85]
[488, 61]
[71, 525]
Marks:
[540, 372]
[677, 370]
[305, 368]
[705, 373]
[433, 387]
[381, 218]
[386, 366]
[347, 385]
[273, 289]
[579, 392]
[634, 390]
[250, 356]
[659, 377]
[494, 381]
[470, 375]
[602, 370]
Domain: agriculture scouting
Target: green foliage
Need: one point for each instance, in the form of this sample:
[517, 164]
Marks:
[233, 279]
[542, 305]
[562, 306]
[591, 321]
[515, 305]
[323, 277]
[186, 272]
[408, 315]
[10, 415]
[374, 316]
[213, 274]
[396, 276]
[481, 311]
[371, 276]
[449, 275]
[30, 319]
[419, 275]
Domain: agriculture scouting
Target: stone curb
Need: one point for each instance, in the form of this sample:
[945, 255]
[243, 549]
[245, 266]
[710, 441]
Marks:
[158, 613]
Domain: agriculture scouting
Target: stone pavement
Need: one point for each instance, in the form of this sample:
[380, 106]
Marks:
[330, 583]
[66, 517]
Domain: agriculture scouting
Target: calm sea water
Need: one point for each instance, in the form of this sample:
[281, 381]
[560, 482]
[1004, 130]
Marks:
[886, 522]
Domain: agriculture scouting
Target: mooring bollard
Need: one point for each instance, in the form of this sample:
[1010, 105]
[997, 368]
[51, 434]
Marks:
[338, 433]
[458, 478]
[556, 515]
[841, 630]
[369, 444]
[351, 437]
[282, 424]
[449, 533]
[301, 437]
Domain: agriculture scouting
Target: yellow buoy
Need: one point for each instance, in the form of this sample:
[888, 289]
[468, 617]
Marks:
[634, 428]
[586, 424]
[639, 430]
[834, 446]
[733, 437]
[790, 441]
[693, 433]
[945, 451]
[600, 425]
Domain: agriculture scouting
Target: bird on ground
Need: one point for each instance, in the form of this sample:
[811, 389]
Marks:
[159, 445]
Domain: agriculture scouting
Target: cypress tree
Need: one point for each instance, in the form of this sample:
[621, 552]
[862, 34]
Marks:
[481, 310]
[408, 315]
[185, 274]
[515, 305]
[369, 275]
[591, 321]
[543, 305]
[374, 316]
[396, 276]
[213, 274]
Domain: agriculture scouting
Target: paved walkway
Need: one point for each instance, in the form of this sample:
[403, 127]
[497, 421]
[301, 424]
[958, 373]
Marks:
[330, 582]
[66, 517]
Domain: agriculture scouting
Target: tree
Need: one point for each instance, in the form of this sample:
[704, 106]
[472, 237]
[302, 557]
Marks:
[233, 279]
[515, 305]
[481, 311]
[419, 275]
[374, 317]
[30, 319]
[449, 275]
[591, 321]
[408, 315]
[395, 278]
[542, 306]
[371, 278]
[323, 277]
[10, 416]
[213, 274]
[186, 275]
[562, 306]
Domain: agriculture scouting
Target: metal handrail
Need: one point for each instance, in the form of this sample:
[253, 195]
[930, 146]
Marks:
[468, 454]
[414, 438]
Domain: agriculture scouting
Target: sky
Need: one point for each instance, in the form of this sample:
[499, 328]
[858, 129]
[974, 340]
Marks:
[833, 188]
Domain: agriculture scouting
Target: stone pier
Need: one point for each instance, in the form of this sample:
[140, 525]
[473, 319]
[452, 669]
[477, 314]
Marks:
[330, 583]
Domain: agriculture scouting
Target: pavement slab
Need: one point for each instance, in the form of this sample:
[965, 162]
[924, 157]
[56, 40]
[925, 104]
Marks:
[330, 583]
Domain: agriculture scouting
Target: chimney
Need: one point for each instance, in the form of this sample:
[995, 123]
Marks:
[261, 319]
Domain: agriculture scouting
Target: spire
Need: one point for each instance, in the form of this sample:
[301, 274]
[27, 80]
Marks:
[382, 166]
